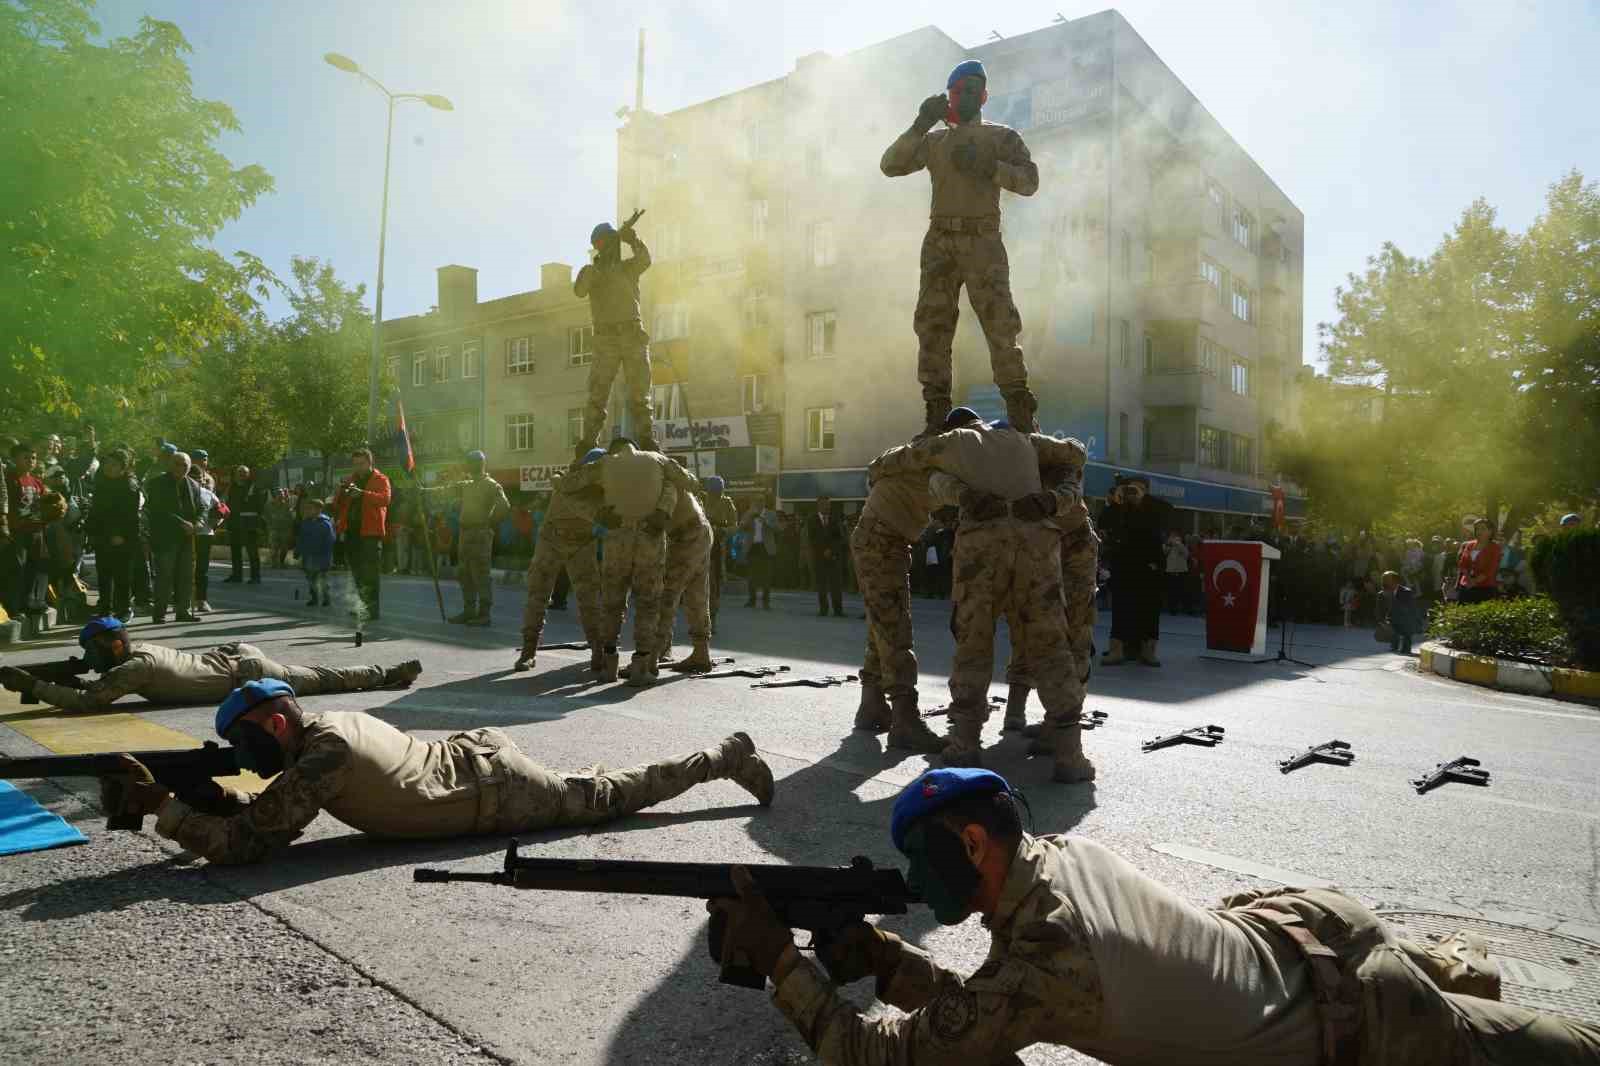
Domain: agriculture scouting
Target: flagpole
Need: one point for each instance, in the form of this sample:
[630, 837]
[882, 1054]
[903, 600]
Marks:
[410, 465]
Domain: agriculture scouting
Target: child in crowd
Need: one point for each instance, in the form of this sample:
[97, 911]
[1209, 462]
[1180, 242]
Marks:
[314, 545]
[1349, 600]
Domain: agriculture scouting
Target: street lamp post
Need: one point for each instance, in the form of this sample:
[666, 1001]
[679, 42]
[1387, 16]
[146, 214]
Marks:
[438, 103]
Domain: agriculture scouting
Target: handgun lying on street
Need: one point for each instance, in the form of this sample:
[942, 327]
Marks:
[825, 681]
[61, 672]
[745, 671]
[182, 771]
[822, 900]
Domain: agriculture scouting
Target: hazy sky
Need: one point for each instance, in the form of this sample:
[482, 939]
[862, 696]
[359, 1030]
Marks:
[1380, 120]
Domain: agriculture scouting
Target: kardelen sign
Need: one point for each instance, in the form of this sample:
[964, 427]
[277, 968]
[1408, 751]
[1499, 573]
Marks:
[680, 435]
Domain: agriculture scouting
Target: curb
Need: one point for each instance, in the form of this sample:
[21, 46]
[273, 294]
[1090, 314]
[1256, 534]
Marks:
[1523, 678]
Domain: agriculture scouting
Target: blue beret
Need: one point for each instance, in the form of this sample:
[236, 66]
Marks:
[200, 453]
[714, 483]
[971, 68]
[104, 624]
[960, 416]
[593, 455]
[1000, 423]
[246, 696]
[603, 230]
[936, 788]
[1571, 519]
[169, 448]
[478, 456]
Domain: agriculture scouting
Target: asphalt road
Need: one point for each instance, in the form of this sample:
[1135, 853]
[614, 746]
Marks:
[331, 953]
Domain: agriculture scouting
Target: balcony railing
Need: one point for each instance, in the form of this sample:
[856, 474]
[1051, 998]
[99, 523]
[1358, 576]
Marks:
[1181, 386]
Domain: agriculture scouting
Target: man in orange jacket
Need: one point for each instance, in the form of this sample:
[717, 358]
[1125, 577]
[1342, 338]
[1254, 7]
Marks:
[361, 515]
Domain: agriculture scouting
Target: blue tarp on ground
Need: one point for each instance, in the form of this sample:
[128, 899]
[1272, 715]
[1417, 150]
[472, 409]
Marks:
[26, 826]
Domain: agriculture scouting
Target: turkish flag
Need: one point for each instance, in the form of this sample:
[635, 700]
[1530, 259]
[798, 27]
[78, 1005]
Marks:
[1236, 594]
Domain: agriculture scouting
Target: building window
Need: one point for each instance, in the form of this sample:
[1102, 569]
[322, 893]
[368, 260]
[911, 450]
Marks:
[758, 220]
[391, 368]
[574, 426]
[1210, 447]
[1244, 228]
[519, 433]
[819, 429]
[441, 364]
[1239, 377]
[672, 322]
[1241, 457]
[519, 356]
[823, 251]
[755, 307]
[469, 360]
[664, 404]
[754, 393]
[1124, 343]
[1208, 360]
[1217, 204]
[823, 327]
[1149, 354]
[1212, 275]
[419, 369]
[1122, 436]
[580, 345]
[1243, 301]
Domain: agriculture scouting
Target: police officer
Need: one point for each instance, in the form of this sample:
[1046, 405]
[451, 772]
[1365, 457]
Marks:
[685, 578]
[1088, 952]
[167, 675]
[611, 284]
[1005, 565]
[566, 541]
[384, 783]
[969, 162]
[483, 505]
[724, 519]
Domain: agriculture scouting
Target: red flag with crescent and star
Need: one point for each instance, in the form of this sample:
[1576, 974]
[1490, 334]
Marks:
[1233, 593]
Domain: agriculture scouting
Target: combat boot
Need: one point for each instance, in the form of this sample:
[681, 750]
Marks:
[525, 659]
[1072, 765]
[1020, 409]
[1459, 963]
[937, 411]
[642, 672]
[696, 662]
[873, 714]
[597, 659]
[908, 730]
[1147, 653]
[402, 674]
[608, 665]
[467, 614]
[481, 618]
[1113, 655]
[736, 760]
[1041, 738]
[963, 743]
[1016, 708]
[666, 655]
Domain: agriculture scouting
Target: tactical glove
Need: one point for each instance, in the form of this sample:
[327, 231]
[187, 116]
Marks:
[656, 521]
[982, 506]
[1034, 507]
[974, 163]
[132, 792]
[862, 950]
[755, 932]
[608, 517]
[932, 110]
[19, 681]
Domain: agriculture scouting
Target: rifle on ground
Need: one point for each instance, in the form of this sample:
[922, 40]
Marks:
[745, 671]
[825, 681]
[182, 771]
[823, 900]
[64, 672]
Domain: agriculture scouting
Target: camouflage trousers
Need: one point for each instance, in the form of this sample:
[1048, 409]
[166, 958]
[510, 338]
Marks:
[686, 578]
[978, 261]
[526, 796]
[627, 347]
[1395, 1015]
[253, 665]
[882, 560]
[476, 551]
[634, 561]
[1011, 569]
[1080, 564]
[556, 549]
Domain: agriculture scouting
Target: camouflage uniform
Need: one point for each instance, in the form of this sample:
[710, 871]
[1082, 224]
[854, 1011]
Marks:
[963, 247]
[382, 782]
[1089, 953]
[166, 675]
[483, 505]
[566, 539]
[684, 577]
[891, 521]
[724, 519]
[612, 288]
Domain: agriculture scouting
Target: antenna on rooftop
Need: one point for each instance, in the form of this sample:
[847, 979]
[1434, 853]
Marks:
[995, 35]
[1059, 17]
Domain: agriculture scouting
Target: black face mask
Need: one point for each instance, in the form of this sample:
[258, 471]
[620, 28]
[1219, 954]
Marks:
[950, 880]
[259, 751]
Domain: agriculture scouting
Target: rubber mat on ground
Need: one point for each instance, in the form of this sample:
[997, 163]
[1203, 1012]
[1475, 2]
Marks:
[26, 826]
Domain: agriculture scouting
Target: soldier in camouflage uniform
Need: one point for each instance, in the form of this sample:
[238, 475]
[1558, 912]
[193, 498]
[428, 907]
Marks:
[384, 783]
[969, 162]
[685, 578]
[1006, 564]
[483, 505]
[566, 540]
[891, 522]
[166, 675]
[641, 491]
[611, 285]
[724, 519]
[1089, 953]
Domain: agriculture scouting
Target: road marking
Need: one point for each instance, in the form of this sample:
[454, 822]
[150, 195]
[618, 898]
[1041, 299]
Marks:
[1240, 865]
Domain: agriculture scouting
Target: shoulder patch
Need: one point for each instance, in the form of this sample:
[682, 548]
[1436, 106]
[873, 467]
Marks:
[952, 1014]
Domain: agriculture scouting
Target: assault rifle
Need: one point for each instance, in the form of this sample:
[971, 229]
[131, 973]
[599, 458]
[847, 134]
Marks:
[822, 900]
[61, 672]
[184, 770]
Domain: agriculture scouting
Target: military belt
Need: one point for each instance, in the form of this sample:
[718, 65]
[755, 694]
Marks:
[618, 327]
[1338, 1008]
[960, 224]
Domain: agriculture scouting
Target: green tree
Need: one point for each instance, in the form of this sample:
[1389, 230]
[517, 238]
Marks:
[225, 399]
[111, 186]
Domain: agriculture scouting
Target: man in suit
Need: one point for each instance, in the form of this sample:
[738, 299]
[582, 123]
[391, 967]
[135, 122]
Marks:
[760, 526]
[825, 534]
[174, 512]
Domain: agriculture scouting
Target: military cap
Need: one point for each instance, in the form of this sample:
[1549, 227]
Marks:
[246, 696]
[200, 453]
[972, 68]
[593, 455]
[960, 416]
[601, 232]
[478, 456]
[108, 623]
[936, 788]
[168, 448]
[713, 483]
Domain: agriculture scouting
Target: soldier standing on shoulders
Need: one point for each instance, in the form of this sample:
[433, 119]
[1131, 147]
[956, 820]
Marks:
[969, 162]
[483, 505]
[611, 285]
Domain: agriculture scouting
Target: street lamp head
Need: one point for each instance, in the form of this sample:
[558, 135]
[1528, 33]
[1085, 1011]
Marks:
[438, 103]
[344, 63]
